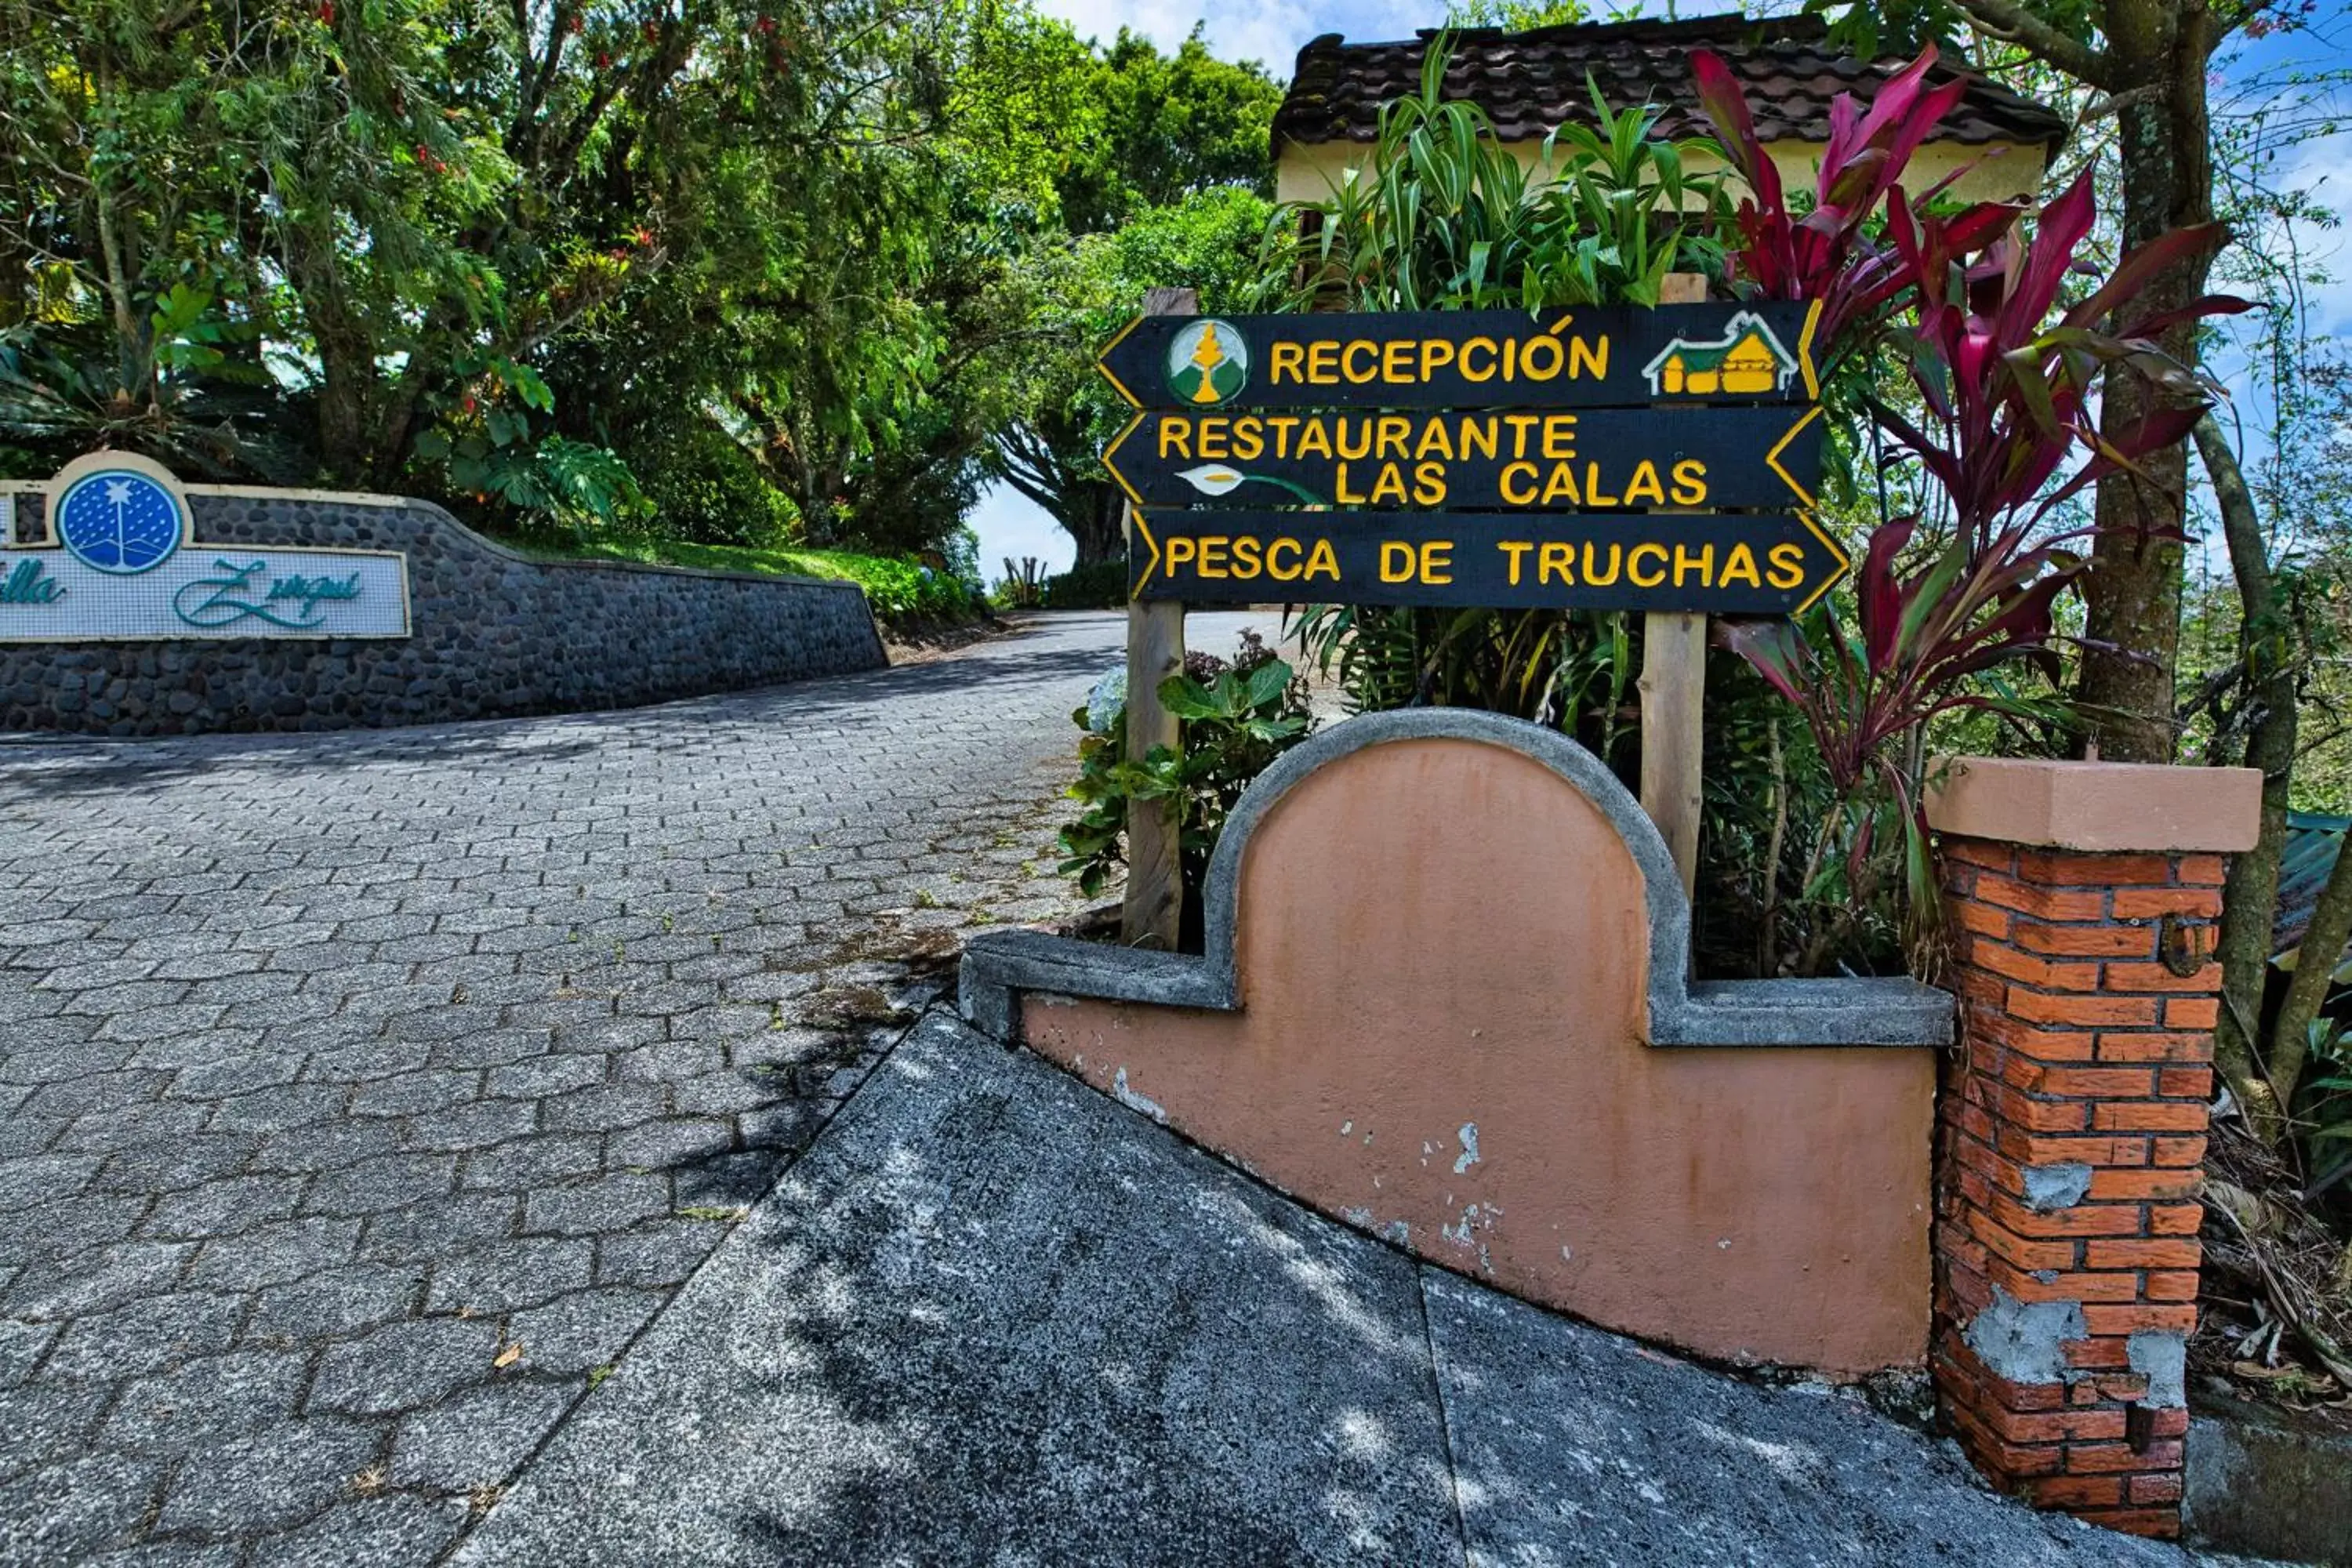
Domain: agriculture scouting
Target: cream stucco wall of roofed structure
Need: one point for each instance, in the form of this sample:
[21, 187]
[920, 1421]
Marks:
[1311, 171]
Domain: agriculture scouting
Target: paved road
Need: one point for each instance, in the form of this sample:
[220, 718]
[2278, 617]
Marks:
[362, 1096]
[996, 1317]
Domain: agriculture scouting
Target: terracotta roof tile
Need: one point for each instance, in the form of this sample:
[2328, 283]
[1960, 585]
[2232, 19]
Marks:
[1531, 81]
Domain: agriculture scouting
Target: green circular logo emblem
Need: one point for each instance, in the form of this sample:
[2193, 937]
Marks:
[1208, 362]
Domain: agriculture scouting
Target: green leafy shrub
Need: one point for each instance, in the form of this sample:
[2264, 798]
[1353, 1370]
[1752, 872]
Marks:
[1102, 587]
[705, 487]
[1236, 718]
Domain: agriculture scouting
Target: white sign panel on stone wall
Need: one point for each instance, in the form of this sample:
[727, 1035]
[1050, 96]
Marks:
[121, 564]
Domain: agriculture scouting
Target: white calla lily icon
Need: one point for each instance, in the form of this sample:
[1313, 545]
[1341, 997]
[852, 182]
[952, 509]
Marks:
[1211, 478]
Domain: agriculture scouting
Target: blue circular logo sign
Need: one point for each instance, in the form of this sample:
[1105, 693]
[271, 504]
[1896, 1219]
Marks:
[118, 521]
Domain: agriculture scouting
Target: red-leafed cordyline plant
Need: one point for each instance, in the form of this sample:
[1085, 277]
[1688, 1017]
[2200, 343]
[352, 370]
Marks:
[1824, 253]
[2007, 385]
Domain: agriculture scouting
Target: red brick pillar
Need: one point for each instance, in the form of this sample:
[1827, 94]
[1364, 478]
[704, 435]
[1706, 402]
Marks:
[2081, 900]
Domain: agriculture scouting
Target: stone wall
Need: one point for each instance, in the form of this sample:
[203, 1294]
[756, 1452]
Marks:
[494, 633]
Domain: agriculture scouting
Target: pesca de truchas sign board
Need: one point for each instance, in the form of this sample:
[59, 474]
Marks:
[120, 563]
[1622, 459]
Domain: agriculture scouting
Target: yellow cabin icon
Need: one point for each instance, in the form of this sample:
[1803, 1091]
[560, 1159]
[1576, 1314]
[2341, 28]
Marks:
[1748, 361]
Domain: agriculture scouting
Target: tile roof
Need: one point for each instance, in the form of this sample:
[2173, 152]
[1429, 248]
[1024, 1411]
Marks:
[1531, 81]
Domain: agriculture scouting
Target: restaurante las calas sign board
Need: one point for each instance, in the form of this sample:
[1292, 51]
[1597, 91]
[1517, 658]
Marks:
[1622, 459]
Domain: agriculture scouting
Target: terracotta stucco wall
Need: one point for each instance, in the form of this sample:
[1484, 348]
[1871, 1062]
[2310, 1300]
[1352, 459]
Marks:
[1441, 950]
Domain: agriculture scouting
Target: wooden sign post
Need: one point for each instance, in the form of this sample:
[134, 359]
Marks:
[1654, 460]
[1673, 692]
[1154, 909]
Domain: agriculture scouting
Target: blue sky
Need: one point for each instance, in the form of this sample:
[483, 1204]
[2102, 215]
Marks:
[1271, 31]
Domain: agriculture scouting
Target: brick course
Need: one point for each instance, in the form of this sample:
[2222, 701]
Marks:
[2071, 1129]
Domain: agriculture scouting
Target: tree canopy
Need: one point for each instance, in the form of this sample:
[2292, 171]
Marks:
[740, 270]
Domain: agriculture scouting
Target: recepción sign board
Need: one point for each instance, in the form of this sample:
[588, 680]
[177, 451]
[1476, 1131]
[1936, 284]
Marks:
[1587, 357]
[122, 564]
[1621, 458]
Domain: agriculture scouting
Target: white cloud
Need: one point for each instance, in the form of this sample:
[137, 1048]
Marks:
[1270, 32]
[2323, 169]
[1010, 524]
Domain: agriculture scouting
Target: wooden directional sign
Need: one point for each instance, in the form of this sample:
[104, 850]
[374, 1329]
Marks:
[1750, 564]
[1593, 461]
[1585, 357]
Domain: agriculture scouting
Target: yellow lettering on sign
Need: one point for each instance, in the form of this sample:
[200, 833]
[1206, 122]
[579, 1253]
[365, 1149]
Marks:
[1274, 565]
[1690, 482]
[1396, 361]
[1324, 561]
[1315, 441]
[1288, 363]
[1592, 577]
[1323, 365]
[1703, 563]
[1643, 486]
[1740, 566]
[1175, 435]
[1541, 359]
[1341, 493]
[1245, 556]
[1477, 345]
[1478, 440]
[1588, 359]
[1180, 550]
[1556, 556]
[1511, 471]
[1249, 437]
[1513, 549]
[1282, 425]
[1436, 355]
[1429, 484]
[1212, 555]
[1395, 431]
[1433, 436]
[1593, 494]
[1520, 425]
[1397, 561]
[1559, 435]
[1371, 361]
[1633, 565]
[1437, 561]
[1212, 438]
[1561, 486]
[1785, 565]
[1362, 446]
[1510, 359]
[1389, 486]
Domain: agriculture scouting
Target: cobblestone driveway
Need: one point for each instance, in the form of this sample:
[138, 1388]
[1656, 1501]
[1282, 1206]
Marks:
[362, 1096]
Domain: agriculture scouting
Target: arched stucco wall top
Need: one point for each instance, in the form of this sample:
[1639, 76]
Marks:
[1833, 1011]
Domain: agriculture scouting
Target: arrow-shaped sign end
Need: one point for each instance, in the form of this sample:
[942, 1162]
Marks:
[1151, 544]
[1837, 553]
[1116, 443]
[1772, 458]
[1805, 351]
[1102, 364]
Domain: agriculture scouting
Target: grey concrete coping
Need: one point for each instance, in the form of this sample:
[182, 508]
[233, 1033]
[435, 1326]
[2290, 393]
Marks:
[1897, 1011]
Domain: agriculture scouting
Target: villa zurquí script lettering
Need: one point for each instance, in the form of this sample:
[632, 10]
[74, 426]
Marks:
[248, 592]
[29, 583]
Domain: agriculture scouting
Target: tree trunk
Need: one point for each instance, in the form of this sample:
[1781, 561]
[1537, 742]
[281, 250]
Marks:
[2250, 897]
[2132, 595]
[1097, 525]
